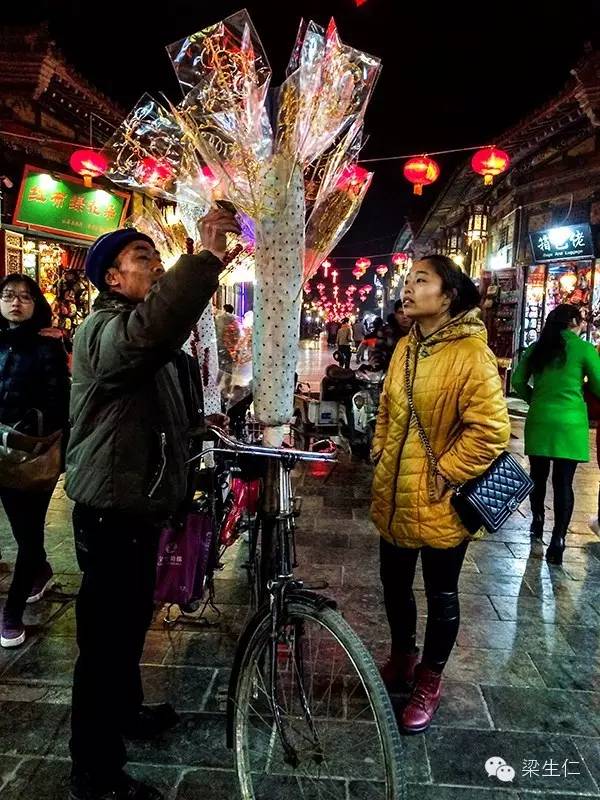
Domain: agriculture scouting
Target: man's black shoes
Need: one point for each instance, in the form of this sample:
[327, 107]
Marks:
[123, 788]
[150, 722]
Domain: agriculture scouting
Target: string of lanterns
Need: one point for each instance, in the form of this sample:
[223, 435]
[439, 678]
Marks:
[420, 170]
[488, 161]
[334, 306]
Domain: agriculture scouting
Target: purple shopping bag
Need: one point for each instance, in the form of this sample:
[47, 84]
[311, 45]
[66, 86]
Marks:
[184, 558]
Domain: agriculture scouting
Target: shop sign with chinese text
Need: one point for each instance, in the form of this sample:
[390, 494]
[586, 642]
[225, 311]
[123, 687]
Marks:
[61, 204]
[567, 241]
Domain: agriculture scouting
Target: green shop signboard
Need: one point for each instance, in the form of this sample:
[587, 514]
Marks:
[61, 204]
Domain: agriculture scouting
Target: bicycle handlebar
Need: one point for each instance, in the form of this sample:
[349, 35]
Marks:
[267, 452]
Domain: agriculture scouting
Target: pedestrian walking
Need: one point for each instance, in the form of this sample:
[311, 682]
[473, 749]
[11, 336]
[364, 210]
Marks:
[344, 343]
[358, 332]
[446, 365]
[126, 472]
[550, 377]
[33, 377]
[228, 331]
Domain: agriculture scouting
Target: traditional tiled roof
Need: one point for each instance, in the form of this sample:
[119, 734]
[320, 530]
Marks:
[30, 64]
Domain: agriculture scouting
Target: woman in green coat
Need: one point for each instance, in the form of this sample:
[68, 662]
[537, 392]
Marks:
[550, 377]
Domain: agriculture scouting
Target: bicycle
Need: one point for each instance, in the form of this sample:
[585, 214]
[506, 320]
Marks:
[307, 713]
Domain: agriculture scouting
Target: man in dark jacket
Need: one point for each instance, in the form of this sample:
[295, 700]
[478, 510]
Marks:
[126, 472]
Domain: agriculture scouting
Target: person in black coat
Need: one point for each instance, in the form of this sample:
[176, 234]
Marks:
[33, 376]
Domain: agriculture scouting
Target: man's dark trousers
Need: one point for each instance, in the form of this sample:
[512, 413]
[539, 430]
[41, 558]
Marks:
[117, 555]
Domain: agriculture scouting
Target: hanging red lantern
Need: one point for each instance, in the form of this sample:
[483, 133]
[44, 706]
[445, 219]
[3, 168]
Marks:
[357, 272]
[421, 171]
[89, 164]
[308, 288]
[153, 171]
[489, 162]
[363, 263]
[352, 178]
[382, 270]
[398, 259]
[368, 289]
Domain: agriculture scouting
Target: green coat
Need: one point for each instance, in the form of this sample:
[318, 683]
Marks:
[557, 423]
[130, 432]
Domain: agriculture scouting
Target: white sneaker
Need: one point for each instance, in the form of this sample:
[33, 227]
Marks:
[13, 636]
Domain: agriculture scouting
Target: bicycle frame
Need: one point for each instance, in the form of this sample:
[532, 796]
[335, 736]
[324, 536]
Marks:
[277, 511]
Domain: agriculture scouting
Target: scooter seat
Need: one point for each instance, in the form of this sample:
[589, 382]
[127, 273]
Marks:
[333, 372]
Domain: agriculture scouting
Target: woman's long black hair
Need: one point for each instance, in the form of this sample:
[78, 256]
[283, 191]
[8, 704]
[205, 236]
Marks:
[465, 295]
[42, 313]
[550, 347]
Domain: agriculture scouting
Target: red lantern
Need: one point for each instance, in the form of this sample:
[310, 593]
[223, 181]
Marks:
[357, 272]
[352, 178]
[421, 171]
[153, 171]
[399, 258]
[490, 162]
[88, 163]
[382, 270]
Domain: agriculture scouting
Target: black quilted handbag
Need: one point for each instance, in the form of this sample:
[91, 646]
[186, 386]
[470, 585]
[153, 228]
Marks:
[487, 501]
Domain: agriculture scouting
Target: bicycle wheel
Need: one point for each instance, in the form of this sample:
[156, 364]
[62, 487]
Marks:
[340, 735]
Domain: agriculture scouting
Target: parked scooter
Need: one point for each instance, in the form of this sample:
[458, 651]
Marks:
[357, 392]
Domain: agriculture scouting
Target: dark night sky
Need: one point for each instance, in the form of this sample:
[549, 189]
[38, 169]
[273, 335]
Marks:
[450, 78]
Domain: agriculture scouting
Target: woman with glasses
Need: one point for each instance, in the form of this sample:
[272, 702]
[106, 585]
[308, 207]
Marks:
[33, 376]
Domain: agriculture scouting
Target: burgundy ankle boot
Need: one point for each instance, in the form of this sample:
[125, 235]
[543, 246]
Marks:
[424, 701]
[398, 672]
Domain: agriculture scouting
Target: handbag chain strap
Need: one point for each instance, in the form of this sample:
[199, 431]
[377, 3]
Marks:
[420, 429]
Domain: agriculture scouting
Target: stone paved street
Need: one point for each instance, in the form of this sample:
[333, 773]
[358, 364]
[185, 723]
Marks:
[523, 683]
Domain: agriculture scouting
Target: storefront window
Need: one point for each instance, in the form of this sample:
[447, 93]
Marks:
[58, 269]
[569, 282]
[595, 318]
[560, 282]
[534, 304]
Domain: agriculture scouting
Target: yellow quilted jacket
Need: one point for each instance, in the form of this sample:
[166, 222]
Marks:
[458, 398]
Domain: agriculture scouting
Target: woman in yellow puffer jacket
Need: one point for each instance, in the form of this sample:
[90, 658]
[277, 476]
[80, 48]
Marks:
[459, 400]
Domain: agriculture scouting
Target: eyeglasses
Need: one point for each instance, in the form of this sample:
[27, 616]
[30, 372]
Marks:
[22, 297]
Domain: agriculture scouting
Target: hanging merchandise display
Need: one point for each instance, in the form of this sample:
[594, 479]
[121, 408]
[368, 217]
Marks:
[58, 269]
[257, 144]
[549, 285]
